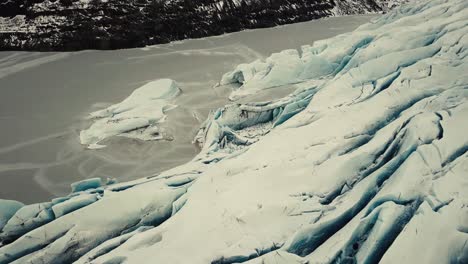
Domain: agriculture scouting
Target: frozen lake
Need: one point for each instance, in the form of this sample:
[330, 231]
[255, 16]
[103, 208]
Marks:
[46, 96]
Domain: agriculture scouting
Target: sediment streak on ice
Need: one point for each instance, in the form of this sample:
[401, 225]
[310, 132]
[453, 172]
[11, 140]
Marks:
[368, 165]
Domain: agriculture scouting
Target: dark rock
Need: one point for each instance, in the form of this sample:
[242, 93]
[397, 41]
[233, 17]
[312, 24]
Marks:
[65, 25]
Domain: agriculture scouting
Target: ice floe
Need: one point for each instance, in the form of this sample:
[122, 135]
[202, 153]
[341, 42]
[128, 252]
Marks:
[368, 165]
[138, 116]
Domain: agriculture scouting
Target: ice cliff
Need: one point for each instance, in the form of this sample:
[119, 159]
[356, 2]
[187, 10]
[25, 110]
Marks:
[366, 162]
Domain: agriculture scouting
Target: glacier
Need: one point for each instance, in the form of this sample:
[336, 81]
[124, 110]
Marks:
[8, 208]
[366, 162]
[138, 116]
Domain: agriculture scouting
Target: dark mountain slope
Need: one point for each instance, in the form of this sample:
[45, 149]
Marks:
[95, 24]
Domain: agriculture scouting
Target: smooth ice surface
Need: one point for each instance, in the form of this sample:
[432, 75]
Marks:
[87, 184]
[138, 116]
[73, 204]
[7, 209]
[366, 164]
[44, 106]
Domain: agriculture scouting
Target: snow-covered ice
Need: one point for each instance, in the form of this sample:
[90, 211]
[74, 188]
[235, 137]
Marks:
[7, 209]
[138, 116]
[280, 68]
[87, 184]
[366, 162]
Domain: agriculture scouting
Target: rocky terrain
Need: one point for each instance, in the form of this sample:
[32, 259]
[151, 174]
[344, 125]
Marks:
[64, 25]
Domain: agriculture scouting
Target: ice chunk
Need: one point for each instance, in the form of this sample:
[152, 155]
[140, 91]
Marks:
[321, 60]
[87, 184]
[29, 217]
[138, 116]
[235, 126]
[82, 230]
[73, 204]
[7, 209]
[278, 69]
[25, 219]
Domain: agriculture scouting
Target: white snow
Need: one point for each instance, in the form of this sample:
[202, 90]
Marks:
[368, 164]
[138, 116]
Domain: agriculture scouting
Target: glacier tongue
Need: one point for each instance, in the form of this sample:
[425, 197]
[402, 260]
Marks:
[365, 162]
[138, 116]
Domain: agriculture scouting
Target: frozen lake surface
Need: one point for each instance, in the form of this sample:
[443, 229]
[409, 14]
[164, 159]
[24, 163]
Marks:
[45, 98]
